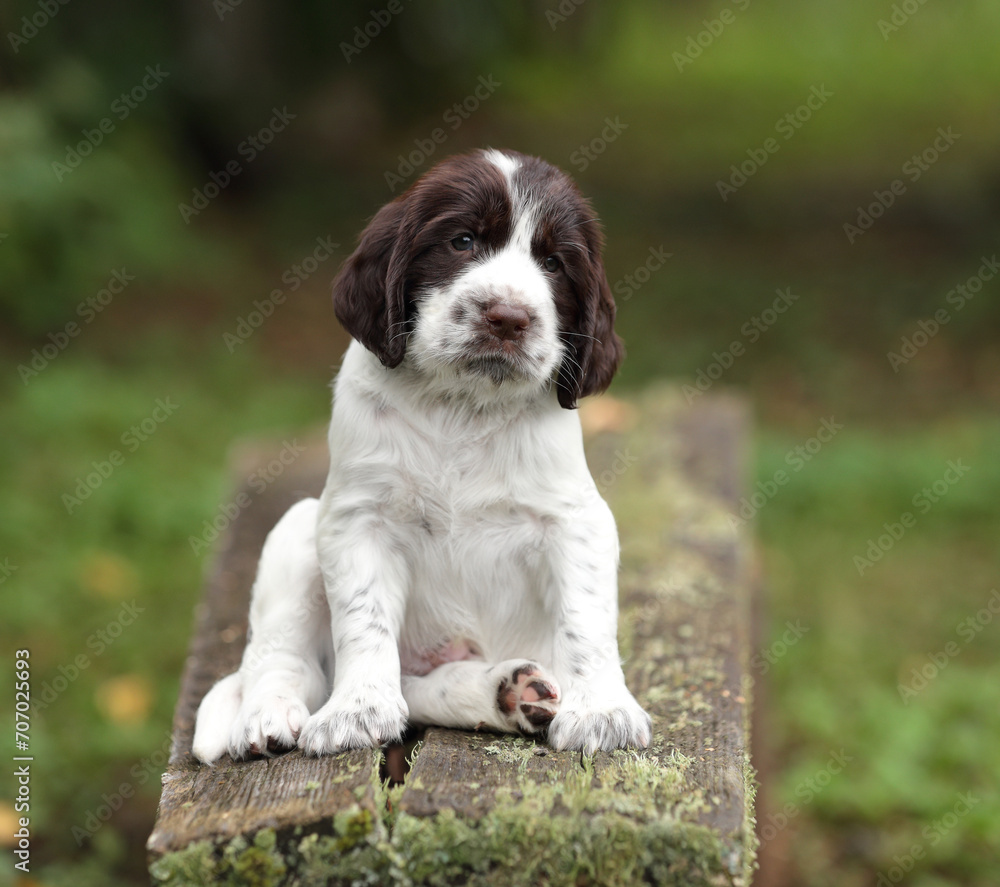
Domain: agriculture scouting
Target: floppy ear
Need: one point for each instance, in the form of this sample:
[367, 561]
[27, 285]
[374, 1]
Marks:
[368, 294]
[594, 350]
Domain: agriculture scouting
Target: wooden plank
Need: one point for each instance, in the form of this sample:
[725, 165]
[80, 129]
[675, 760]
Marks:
[489, 809]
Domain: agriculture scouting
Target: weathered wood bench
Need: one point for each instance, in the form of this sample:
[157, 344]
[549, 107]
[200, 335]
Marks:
[479, 808]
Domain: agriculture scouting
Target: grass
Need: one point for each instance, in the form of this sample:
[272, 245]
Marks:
[914, 751]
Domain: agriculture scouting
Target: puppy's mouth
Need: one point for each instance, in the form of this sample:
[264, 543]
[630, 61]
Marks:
[498, 361]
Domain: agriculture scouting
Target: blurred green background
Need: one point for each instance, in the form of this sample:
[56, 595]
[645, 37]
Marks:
[113, 297]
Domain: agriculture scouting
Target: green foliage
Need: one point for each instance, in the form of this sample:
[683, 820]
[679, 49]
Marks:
[874, 675]
[67, 231]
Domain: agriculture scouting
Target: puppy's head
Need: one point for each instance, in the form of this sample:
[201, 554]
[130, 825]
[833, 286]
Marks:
[487, 271]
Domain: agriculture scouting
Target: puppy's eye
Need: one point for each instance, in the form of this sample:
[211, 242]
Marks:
[463, 242]
[552, 263]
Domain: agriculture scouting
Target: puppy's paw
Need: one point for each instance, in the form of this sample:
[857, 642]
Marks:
[527, 698]
[361, 719]
[267, 726]
[589, 727]
[218, 711]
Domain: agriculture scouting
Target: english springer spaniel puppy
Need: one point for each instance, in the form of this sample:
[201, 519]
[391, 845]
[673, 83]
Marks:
[460, 567]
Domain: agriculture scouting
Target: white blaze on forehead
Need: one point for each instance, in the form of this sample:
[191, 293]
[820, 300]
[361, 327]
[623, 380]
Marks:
[525, 215]
[506, 164]
[524, 227]
[511, 268]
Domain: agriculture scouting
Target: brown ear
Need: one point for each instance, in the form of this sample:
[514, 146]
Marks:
[368, 294]
[594, 349]
[607, 349]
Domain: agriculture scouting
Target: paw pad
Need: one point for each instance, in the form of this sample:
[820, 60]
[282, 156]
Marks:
[527, 698]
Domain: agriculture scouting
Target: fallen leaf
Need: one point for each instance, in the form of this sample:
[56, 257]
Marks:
[606, 413]
[108, 575]
[8, 824]
[125, 700]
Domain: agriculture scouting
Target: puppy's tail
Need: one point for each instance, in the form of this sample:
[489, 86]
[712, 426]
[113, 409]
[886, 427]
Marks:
[216, 716]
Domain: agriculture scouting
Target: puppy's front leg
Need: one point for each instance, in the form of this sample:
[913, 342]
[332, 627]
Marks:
[366, 581]
[597, 711]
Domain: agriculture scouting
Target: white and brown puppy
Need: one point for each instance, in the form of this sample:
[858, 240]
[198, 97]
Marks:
[460, 568]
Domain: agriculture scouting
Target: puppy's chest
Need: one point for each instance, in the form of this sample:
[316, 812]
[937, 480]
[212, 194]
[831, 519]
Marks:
[464, 502]
[479, 567]
[454, 493]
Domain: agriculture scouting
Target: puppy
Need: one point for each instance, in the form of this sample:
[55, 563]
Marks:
[460, 567]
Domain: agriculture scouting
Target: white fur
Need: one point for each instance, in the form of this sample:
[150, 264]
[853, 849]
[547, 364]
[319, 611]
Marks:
[505, 163]
[458, 514]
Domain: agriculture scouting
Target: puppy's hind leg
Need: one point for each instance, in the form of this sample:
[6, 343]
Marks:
[513, 696]
[282, 669]
[261, 708]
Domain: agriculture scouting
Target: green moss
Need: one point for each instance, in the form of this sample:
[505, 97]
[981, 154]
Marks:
[620, 818]
[239, 863]
[348, 769]
[516, 751]
[356, 852]
[646, 774]
[750, 840]
[195, 864]
[530, 843]
[351, 827]
[259, 864]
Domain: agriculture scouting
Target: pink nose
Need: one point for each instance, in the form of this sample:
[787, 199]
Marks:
[507, 322]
